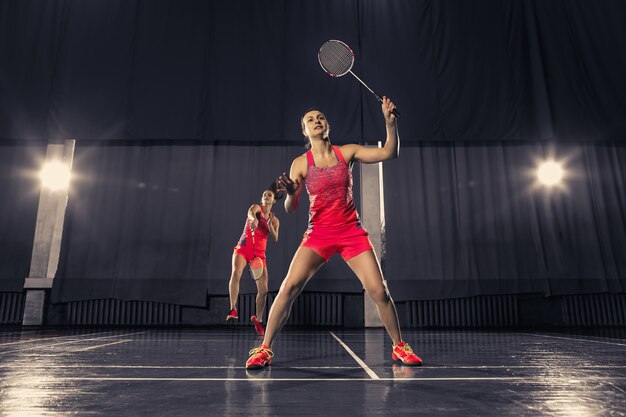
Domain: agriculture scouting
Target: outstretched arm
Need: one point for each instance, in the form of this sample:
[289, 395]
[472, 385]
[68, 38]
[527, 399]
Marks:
[391, 149]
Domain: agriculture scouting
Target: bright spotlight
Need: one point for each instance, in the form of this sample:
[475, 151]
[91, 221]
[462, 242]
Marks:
[550, 173]
[55, 176]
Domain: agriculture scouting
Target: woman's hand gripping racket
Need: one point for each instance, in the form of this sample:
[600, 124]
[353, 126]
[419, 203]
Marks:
[337, 59]
[256, 264]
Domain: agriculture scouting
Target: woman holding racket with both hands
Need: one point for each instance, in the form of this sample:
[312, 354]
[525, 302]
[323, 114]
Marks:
[260, 224]
[334, 227]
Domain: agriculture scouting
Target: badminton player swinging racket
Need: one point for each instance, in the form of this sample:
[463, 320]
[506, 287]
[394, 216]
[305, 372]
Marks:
[250, 249]
[334, 227]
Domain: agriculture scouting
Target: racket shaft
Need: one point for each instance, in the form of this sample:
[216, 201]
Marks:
[396, 112]
[366, 86]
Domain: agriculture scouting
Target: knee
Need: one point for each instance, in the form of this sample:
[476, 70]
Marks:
[235, 276]
[262, 291]
[290, 289]
[380, 295]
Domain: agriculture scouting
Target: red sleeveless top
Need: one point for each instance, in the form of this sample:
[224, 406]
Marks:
[260, 233]
[330, 194]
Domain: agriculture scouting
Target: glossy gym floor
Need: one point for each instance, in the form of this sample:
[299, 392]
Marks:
[196, 372]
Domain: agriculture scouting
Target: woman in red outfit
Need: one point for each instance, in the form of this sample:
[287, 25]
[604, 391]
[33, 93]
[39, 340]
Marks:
[334, 227]
[260, 224]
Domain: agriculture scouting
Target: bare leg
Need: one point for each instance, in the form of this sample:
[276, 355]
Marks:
[303, 266]
[238, 263]
[365, 265]
[261, 295]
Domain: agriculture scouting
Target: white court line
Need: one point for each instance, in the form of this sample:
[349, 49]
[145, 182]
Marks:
[576, 380]
[170, 341]
[548, 365]
[575, 339]
[99, 346]
[71, 341]
[430, 367]
[617, 388]
[358, 360]
[30, 365]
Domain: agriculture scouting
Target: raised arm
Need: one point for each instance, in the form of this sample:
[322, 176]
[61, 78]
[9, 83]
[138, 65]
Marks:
[293, 183]
[391, 149]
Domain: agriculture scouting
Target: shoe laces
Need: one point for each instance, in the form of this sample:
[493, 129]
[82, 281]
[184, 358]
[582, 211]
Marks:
[261, 350]
[406, 348]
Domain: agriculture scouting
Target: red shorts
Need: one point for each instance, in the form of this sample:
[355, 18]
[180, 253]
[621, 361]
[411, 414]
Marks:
[248, 253]
[346, 242]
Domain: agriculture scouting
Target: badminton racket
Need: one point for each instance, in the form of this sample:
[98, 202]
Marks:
[336, 59]
[256, 264]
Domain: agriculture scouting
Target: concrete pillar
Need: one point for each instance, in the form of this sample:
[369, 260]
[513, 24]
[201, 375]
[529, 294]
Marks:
[47, 240]
[373, 216]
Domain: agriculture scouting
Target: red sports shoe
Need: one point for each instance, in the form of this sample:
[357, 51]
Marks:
[403, 352]
[259, 357]
[232, 314]
[258, 326]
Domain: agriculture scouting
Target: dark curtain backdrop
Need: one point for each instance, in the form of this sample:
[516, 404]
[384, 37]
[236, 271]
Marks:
[245, 70]
[184, 111]
[19, 167]
[471, 219]
[158, 221]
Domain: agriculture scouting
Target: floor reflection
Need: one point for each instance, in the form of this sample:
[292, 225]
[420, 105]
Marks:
[200, 372]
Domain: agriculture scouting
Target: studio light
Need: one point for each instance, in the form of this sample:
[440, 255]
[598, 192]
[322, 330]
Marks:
[550, 173]
[55, 176]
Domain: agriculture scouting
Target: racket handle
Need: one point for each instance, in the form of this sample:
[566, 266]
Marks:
[253, 246]
[395, 111]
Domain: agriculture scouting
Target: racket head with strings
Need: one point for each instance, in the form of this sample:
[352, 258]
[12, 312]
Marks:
[256, 268]
[336, 58]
